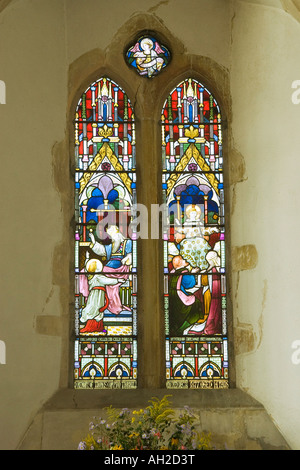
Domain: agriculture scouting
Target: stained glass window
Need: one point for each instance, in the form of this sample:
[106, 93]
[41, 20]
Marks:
[105, 244]
[194, 239]
[148, 57]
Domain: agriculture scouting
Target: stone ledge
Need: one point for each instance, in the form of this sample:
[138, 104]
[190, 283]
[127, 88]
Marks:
[87, 399]
[235, 420]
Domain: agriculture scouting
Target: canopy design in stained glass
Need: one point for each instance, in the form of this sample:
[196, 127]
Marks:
[148, 57]
[194, 239]
[105, 244]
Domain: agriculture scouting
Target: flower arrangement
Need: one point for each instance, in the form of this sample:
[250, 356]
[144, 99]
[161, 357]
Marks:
[154, 428]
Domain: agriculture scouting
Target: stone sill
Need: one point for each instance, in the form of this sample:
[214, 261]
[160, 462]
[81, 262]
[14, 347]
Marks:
[90, 399]
[233, 417]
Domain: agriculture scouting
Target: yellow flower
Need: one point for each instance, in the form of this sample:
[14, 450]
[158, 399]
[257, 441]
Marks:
[116, 447]
[174, 441]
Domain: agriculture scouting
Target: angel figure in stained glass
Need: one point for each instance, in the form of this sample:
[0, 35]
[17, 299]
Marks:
[149, 57]
[97, 301]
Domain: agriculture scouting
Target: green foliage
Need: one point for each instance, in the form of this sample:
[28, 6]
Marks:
[160, 411]
[154, 428]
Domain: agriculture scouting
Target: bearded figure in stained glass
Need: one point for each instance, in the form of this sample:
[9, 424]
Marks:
[118, 256]
[193, 246]
[192, 237]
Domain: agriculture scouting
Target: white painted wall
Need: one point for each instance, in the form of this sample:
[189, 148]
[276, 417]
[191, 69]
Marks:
[38, 41]
[32, 54]
[266, 123]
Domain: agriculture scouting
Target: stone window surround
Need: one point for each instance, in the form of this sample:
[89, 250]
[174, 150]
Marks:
[231, 413]
[147, 97]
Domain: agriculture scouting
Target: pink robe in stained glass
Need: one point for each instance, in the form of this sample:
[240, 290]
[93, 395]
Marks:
[113, 292]
[214, 320]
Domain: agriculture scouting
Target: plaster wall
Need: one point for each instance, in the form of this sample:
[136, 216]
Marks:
[39, 41]
[265, 130]
[42, 43]
[99, 23]
[32, 57]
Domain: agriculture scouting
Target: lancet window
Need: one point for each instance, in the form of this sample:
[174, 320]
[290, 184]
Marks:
[105, 352]
[194, 239]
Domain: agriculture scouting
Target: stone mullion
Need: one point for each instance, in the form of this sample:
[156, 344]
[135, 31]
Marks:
[150, 313]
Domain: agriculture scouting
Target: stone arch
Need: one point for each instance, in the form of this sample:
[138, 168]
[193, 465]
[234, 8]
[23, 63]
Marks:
[147, 97]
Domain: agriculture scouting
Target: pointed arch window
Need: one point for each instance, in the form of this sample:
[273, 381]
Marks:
[194, 239]
[105, 244]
